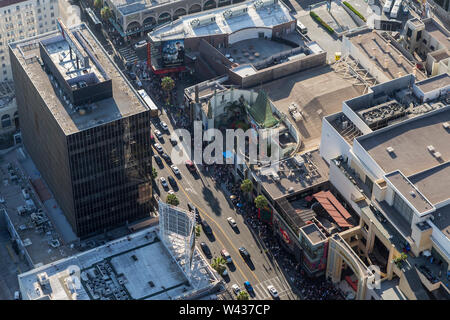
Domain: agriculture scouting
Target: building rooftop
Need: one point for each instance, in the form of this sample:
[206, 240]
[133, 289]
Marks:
[134, 267]
[292, 178]
[438, 32]
[5, 3]
[437, 82]
[410, 192]
[432, 183]
[442, 220]
[225, 20]
[384, 55]
[420, 132]
[124, 101]
[130, 6]
[313, 232]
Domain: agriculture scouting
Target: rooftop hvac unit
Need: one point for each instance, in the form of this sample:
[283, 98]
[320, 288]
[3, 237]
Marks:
[412, 193]
[437, 155]
[390, 149]
[344, 124]
[203, 21]
[430, 148]
[235, 12]
[263, 3]
[446, 125]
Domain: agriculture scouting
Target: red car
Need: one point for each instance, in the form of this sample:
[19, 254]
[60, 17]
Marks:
[190, 165]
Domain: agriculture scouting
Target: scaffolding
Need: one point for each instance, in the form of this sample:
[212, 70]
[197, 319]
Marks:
[351, 69]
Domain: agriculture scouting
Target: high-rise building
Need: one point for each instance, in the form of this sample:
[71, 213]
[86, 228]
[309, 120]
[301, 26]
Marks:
[21, 19]
[85, 127]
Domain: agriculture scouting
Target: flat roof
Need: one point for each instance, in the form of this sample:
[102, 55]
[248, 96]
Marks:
[408, 190]
[386, 57]
[268, 16]
[291, 179]
[5, 3]
[438, 32]
[313, 232]
[410, 140]
[137, 266]
[124, 102]
[437, 82]
[442, 220]
[131, 6]
[433, 184]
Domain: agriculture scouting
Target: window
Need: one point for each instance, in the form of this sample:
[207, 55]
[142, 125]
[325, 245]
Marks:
[6, 119]
[403, 208]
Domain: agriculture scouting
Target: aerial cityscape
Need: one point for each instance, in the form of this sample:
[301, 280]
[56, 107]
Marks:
[225, 150]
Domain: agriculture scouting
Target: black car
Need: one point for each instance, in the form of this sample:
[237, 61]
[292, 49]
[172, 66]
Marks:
[158, 160]
[205, 249]
[166, 157]
[206, 228]
[244, 253]
[132, 75]
[172, 182]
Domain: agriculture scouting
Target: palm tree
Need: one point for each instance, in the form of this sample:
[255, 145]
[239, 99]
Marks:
[261, 202]
[218, 264]
[98, 4]
[198, 231]
[167, 84]
[172, 200]
[105, 13]
[154, 173]
[243, 295]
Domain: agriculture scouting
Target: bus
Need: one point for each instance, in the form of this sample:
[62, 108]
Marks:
[149, 102]
[395, 9]
[387, 6]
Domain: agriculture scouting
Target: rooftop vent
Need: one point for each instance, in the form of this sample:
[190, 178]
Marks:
[412, 193]
[430, 148]
[446, 125]
[390, 149]
[437, 155]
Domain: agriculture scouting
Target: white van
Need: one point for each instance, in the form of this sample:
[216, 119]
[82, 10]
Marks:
[301, 27]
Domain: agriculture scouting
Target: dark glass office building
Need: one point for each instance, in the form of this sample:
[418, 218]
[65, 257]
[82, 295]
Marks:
[85, 127]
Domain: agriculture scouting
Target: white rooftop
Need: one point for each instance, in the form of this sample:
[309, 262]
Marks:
[134, 267]
[214, 21]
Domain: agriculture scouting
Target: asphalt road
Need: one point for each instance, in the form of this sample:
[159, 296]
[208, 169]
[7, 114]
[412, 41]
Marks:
[207, 195]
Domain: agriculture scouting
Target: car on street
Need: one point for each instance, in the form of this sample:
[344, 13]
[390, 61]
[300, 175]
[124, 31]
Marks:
[244, 253]
[173, 140]
[140, 44]
[205, 250]
[225, 273]
[190, 165]
[232, 222]
[158, 134]
[249, 287]
[236, 289]
[206, 228]
[132, 76]
[164, 126]
[166, 157]
[172, 182]
[226, 255]
[152, 138]
[158, 160]
[158, 148]
[164, 182]
[273, 292]
[175, 170]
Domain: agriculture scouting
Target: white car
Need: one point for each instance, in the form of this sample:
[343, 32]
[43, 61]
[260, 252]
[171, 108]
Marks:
[175, 170]
[225, 273]
[158, 134]
[140, 44]
[164, 126]
[273, 291]
[236, 289]
[158, 147]
[171, 191]
[232, 222]
[163, 182]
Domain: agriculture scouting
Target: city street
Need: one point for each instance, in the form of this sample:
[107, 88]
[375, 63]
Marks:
[214, 207]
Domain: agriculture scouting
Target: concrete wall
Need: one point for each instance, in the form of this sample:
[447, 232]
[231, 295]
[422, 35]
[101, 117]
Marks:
[248, 33]
[332, 144]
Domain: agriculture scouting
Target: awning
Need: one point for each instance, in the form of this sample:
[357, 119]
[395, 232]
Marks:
[324, 199]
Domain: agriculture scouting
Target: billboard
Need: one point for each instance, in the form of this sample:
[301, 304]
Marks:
[172, 52]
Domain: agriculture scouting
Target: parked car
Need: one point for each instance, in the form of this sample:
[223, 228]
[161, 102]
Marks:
[206, 228]
[166, 157]
[172, 182]
[175, 170]
[158, 147]
[140, 44]
[273, 292]
[158, 160]
[158, 134]
[232, 222]
[164, 182]
[205, 249]
[226, 256]
[249, 287]
[164, 126]
[244, 253]
[173, 140]
[190, 165]
[236, 289]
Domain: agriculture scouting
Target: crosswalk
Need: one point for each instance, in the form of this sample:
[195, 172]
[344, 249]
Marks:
[128, 54]
[262, 293]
